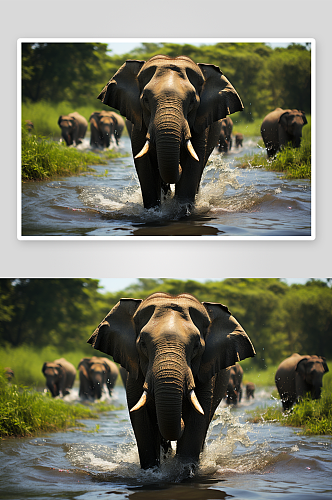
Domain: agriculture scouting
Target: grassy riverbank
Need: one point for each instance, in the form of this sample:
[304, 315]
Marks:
[26, 412]
[42, 158]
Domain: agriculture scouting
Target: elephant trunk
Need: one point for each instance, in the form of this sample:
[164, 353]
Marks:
[169, 125]
[168, 387]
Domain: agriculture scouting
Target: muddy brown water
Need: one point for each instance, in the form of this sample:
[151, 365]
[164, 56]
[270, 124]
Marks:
[241, 461]
[232, 202]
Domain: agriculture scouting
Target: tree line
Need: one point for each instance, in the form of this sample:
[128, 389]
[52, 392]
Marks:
[279, 318]
[264, 77]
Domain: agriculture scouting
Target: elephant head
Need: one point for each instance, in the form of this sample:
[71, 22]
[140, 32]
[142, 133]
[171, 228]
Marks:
[55, 375]
[106, 123]
[69, 128]
[292, 122]
[94, 373]
[311, 370]
[171, 347]
[170, 103]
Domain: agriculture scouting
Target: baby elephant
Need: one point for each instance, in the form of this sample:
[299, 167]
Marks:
[250, 390]
[60, 376]
[298, 375]
[94, 373]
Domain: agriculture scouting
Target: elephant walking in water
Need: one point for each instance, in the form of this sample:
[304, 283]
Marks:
[225, 137]
[298, 375]
[176, 350]
[105, 127]
[280, 127]
[94, 374]
[175, 107]
[234, 386]
[60, 376]
[73, 128]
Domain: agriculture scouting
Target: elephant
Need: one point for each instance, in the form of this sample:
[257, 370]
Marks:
[124, 375]
[239, 140]
[94, 373]
[29, 125]
[60, 376]
[298, 375]
[73, 128]
[280, 127]
[225, 137]
[250, 390]
[175, 107]
[9, 373]
[105, 126]
[234, 386]
[176, 350]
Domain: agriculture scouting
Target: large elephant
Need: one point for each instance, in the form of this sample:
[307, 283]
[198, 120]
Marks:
[60, 376]
[176, 350]
[225, 137]
[298, 375]
[94, 374]
[234, 386]
[175, 107]
[280, 127]
[73, 128]
[105, 126]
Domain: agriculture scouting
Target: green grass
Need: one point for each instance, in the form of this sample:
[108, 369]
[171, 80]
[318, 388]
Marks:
[314, 417]
[25, 412]
[42, 158]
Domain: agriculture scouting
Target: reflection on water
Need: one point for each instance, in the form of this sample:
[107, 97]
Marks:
[241, 461]
[231, 202]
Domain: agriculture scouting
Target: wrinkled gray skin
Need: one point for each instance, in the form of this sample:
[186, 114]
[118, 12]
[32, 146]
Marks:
[172, 346]
[250, 390]
[94, 373]
[105, 127]
[73, 128]
[225, 137]
[170, 101]
[239, 140]
[60, 376]
[234, 386]
[280, 127]
[298, 375]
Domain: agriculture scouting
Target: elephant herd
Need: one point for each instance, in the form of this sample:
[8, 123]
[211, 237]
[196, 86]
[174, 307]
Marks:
[95, 373]
[106, 127]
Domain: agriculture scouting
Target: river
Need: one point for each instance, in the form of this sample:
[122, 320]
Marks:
[232, 202]
[241, 461]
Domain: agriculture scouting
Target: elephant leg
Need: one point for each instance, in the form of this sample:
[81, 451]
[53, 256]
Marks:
[144, 423]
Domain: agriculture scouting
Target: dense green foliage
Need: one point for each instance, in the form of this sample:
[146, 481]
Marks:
[280, 319]
[265, 78]
[313, 416]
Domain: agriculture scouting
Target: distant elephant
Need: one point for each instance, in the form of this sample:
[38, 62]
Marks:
[298, 375]
[105, 126]
[60, 376]
[234, 386]
[225, 137]
[9, 374]
[94, 373]
[280, 127]
[175, 107]
[238, 140]
[28, 125]
[176, 350]
[250, 390]
[73, 128]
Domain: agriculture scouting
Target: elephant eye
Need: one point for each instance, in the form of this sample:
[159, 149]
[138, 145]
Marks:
[145, 102]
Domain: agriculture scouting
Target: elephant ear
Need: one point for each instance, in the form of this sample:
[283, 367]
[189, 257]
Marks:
[116, 335]
[225, 344]
[218, 98]
[59, 120]
[123, 92]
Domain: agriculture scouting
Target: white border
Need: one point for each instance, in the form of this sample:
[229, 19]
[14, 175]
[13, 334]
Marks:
[202, 41]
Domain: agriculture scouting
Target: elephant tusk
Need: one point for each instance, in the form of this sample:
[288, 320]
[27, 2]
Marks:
[144, 150]
[191, 150]
[195, 403]
[140, 403]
